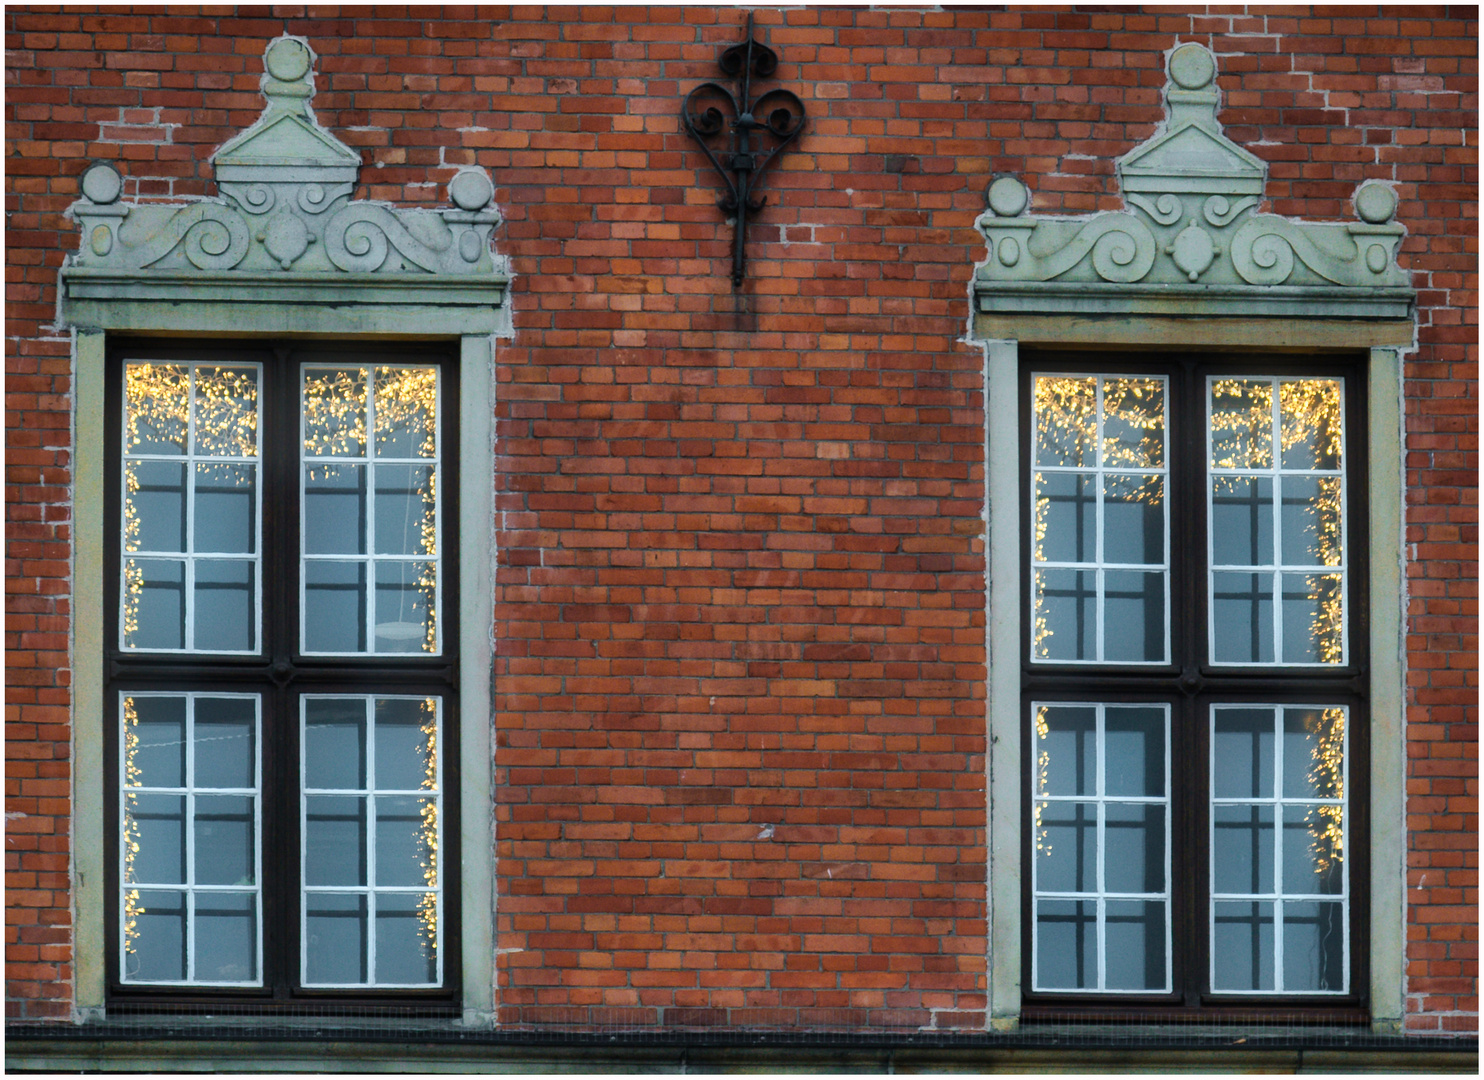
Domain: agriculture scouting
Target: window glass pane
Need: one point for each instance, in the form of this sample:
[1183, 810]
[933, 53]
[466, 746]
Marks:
[1066, 847]
[406, 939]
[225, 840]
[226, 508]
[405, 593]
[226, 411]
[1313, 850]
[1134, 614]
[1242, 618]
[226, 937]
[154, 936]
[406, 411]
[334, 509]
[154, 604]
[226, 742]
[1242, 947]
[334, 412]
[334, 607]
[335, 743]
[1066, 750]
[1133, 423]
[154, 741]
[1241, 520]
[1136, 945]
[1242, 848]
[1313, 753]
[154, 839]
[1134, 834]
[1066, 615]
[1313, 619]
[1313, 947]
[1134, 744]
[1313, 423]
[1242, 754]
[1133, 519]
[1065, 420]
[1066, 945]
[406, 522]
[1241, 423]
[335, 939]
[1312, 521]
[335, 829]
[406, 841]
[155, 416]
[154, 506]
[225, 595]
[406, 744]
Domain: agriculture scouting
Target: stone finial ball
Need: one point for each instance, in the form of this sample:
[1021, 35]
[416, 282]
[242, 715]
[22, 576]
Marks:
[1192, 67]
[1375, 202]
[102, 184]
[1008, 197]
[287, 59]
[471, 189]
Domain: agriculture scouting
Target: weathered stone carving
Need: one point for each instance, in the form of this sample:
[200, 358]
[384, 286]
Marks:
[285, 207]
[1191, 232]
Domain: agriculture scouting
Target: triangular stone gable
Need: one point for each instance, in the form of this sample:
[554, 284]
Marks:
[285, 140]
[1168, 162]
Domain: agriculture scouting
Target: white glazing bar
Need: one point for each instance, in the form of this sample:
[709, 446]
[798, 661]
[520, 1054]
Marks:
[370, 797]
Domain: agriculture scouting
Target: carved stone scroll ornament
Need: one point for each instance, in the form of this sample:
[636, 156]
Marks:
[285, 206]
[1191, 232]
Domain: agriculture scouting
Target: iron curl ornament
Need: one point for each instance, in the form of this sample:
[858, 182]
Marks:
[778, 113]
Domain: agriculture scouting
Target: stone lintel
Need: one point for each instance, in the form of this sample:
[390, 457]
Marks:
[1194, 302]
[1152, 332]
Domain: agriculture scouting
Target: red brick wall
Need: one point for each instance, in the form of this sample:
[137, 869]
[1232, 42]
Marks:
[740, 711]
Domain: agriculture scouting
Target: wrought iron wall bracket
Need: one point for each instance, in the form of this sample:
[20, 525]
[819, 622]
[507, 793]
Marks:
[778, 113]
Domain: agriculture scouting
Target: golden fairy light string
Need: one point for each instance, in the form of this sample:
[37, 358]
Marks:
[428, 902]
[132, 777]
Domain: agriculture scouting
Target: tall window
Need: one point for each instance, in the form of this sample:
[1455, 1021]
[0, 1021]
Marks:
[281, 671]
[1191, 683]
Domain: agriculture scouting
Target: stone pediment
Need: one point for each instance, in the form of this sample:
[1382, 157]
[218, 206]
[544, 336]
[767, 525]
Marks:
[1190, 241]
[284, 227]
[1192, 158]
[281, 141]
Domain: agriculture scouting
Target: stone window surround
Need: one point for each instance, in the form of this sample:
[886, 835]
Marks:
[285, 252]
[1230, 281]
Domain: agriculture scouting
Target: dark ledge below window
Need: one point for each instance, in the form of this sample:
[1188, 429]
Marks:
[322, 1043]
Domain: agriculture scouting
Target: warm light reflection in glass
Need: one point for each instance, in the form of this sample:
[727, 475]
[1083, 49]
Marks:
[400, 410]
[1326, 821]
[160, 403]
[1066, 417]
[1043, 768]
[1310, 431]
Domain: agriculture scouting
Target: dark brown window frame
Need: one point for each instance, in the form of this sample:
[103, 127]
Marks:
[282, 675]
[1190, 685]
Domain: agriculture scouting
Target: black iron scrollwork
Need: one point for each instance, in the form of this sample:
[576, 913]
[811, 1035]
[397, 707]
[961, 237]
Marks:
[780, 113]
